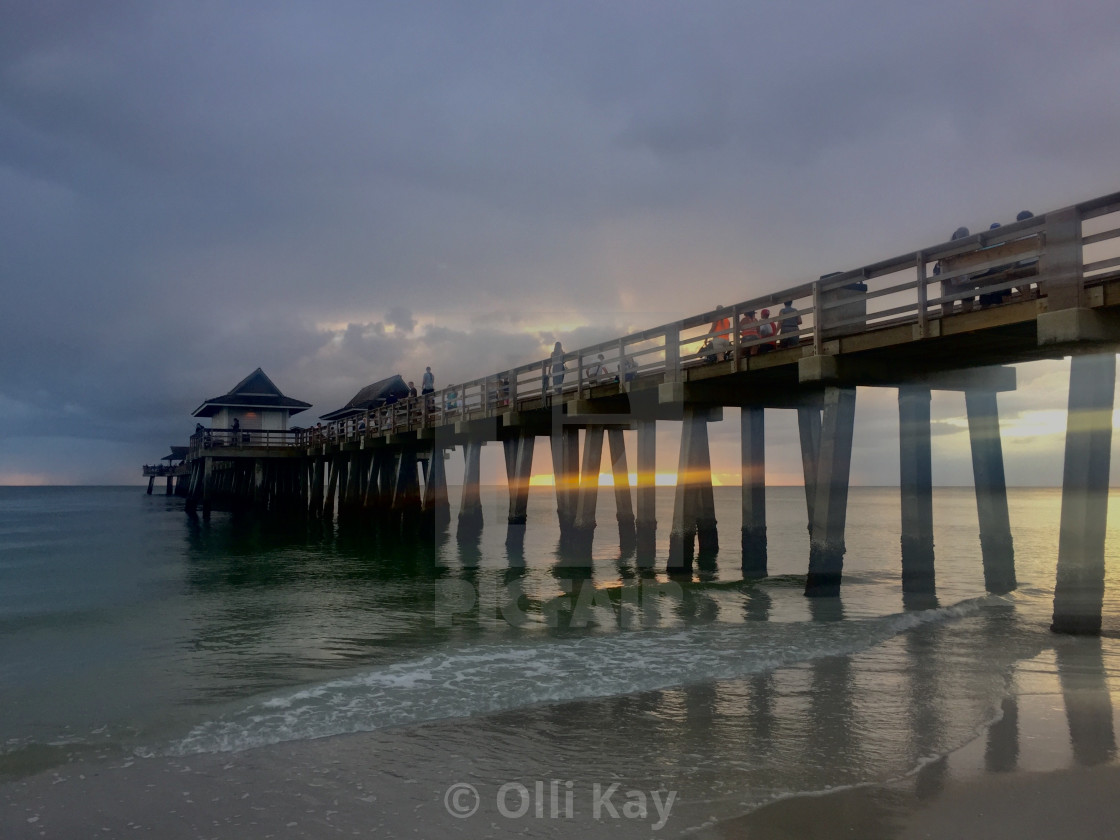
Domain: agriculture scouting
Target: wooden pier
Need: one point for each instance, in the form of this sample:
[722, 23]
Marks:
[948, 317]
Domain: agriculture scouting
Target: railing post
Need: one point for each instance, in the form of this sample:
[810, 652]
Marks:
[923, 316]
[735, 334]
[511, 378]
[579, 376]
[673, 353]
[1060, 263]
[817, 318]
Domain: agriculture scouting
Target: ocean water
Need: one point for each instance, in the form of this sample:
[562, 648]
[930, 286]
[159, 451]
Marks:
[130, 632]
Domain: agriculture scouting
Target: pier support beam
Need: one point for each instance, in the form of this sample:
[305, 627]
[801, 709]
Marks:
[583, 530]
[830, 499]
[437, 507]
[565, 471]
[991, 490]
[386, 480]
[332, 484]
[707, 536]
[916, 480]
[151, 481]
[809, 428]
[350, 498]
[1079, 590]
[371, 495]
[470, 510]
[406, 492]
[645, 492]
[207, 485]
[519, 469]
[318, 468]
[753, 474]
[624, 509]
[693, 508]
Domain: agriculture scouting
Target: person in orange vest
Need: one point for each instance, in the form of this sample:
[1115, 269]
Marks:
[748, 331]
[719, 333]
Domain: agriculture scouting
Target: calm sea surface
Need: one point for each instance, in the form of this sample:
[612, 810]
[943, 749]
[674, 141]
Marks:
[129, 630]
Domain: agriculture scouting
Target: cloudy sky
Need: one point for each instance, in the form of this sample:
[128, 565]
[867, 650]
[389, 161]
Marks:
[338, 191]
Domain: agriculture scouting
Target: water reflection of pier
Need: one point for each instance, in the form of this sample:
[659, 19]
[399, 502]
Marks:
[1049, 286]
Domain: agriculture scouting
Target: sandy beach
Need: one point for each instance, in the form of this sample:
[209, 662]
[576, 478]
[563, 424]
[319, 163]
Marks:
[1036, 781]
[1078, 802]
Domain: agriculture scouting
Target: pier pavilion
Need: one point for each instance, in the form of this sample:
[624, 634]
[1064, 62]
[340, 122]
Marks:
[951, 316]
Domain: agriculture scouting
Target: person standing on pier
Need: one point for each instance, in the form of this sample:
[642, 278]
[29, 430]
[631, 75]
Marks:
[720, 332]
[766, 330]
[557, 367]
[428, 383]
[597, 371]
[791, 323]
[411, 389]
[748, 331]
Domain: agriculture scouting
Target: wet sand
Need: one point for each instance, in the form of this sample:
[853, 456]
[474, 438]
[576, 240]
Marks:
[1079, 802]
[394, 784]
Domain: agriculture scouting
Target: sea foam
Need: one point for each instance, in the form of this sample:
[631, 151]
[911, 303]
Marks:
[492, 678]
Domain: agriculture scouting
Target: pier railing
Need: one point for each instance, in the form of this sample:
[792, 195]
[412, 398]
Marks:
[225, 439]
[1060, 256]
[161, 470]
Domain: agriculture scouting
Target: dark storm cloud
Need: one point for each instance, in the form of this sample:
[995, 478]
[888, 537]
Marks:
[339, 191]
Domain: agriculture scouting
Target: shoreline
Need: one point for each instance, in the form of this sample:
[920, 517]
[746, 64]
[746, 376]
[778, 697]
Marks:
[984, 788]
[1016, 805]
[1047, 762]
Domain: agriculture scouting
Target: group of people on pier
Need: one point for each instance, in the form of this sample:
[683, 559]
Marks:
[983, 278]
[596, 373]
[756, 335]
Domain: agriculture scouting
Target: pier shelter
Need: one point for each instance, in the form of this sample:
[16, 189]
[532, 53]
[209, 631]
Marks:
[254, 404]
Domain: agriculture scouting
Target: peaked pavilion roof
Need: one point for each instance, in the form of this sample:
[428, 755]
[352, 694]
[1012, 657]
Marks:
[254, 391]
[371, 396]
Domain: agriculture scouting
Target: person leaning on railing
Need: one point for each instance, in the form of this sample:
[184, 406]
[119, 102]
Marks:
[718, 344]
[950, 285]
[748, 331]
[627, 368]
[558, 367]
[790, 325]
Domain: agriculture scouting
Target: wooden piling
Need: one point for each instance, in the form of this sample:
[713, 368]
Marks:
[583, 530]
[332, 485]
[1079, 590]
[565, 471]
[645, 492]
[916, 482]
[753, 474]
[996, 546]
[693, 507]
[809, 429]
[624, 509]
[830, 499]
[470, 510]
[519, 468]
[406, 507]
[437, 509]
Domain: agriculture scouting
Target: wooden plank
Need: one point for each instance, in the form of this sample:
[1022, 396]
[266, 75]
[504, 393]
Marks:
[989, 257]
[1099, 206]
[1101, 237]
[1099, 264]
